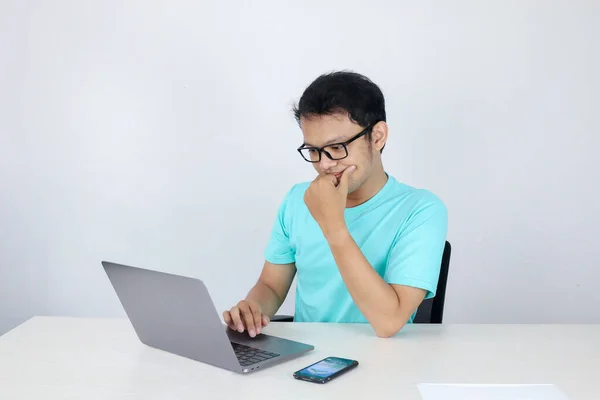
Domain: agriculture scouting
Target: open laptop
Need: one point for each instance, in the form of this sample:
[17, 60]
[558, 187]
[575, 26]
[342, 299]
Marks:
[176, 314]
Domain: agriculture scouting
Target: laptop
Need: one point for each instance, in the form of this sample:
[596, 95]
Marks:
[176, 314]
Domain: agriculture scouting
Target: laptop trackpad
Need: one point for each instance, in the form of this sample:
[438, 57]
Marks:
[265, 342]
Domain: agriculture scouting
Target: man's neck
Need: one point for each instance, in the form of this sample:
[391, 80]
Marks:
[368, 189]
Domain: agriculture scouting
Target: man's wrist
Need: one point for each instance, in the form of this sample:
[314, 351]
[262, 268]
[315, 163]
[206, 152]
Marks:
[337, 233]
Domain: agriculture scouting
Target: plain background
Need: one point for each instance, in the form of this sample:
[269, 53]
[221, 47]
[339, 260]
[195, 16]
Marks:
[159, 134]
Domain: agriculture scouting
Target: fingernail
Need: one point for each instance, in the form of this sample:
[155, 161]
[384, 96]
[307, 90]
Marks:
[252, 333]
[240, 328]
[267, 320]
[258, 330]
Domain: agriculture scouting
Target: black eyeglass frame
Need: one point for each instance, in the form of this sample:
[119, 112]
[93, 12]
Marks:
[343, 144]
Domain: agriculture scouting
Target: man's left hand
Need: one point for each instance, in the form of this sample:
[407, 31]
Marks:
[326, 199]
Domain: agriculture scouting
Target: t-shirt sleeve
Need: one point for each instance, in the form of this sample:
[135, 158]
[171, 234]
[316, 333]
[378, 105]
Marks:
[279, 248]
[416, 255]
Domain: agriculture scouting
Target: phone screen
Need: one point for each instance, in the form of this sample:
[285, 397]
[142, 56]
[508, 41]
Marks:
[326, 367]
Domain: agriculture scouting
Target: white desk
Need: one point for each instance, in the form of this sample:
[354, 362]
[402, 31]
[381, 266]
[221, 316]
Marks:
[72, 358]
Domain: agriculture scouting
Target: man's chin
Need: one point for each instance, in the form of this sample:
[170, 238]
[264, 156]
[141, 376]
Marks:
[351, 189]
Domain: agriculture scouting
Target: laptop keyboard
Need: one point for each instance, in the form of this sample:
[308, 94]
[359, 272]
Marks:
[249, 355]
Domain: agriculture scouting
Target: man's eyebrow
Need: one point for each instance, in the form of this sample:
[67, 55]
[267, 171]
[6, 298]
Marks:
[338, 139]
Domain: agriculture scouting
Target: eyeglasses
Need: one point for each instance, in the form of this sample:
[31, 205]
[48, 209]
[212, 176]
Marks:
[334, 151]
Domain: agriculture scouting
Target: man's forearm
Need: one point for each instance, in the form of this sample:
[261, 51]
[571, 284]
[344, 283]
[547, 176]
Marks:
[266, 297]
[375, 298]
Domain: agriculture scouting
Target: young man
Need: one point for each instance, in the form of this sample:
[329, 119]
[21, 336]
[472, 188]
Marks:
[366, 247]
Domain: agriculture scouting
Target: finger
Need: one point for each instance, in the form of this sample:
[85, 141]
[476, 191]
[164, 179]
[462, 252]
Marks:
[325, 176]
[257, 316]
[265, 320]
[229, 320]
[236, 318]
[247, 318]
[343, 185]
[330, 178]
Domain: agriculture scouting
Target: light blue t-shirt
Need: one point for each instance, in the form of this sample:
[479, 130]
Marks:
[401, 231]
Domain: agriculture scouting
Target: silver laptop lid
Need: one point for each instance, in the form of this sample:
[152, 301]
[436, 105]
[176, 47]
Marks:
[173, 313]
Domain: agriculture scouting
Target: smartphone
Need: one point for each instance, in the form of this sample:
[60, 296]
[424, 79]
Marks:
[325, 370]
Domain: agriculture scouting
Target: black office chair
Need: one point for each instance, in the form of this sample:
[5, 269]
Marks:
[431, 311]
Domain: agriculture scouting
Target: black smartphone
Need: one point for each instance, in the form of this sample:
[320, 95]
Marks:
[325, 370]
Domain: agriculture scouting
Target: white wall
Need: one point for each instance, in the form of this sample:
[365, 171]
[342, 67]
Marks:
[159, 134]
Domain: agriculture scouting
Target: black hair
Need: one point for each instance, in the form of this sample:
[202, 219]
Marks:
[346, 92]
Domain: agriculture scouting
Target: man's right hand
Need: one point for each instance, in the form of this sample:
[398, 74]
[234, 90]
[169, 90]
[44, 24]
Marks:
[246, 316]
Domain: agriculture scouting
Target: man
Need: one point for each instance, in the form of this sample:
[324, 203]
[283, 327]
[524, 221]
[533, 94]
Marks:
[366, 247]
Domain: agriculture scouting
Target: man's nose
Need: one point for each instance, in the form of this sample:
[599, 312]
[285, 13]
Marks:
[326, 163]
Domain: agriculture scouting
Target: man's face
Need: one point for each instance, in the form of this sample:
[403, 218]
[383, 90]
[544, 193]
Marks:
[324, 130]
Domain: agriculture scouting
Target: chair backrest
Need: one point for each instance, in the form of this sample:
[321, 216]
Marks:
[431, 311]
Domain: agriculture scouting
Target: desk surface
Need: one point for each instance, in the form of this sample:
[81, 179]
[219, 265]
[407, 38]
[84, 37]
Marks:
[75, 358]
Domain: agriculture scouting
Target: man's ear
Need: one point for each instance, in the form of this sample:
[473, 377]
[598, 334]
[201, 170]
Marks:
[379, 135]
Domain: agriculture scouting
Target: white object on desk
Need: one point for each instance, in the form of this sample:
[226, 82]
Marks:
[55, 358]
[490, 392]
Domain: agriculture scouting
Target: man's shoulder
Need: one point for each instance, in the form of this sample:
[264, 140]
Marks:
[298, 189]
[415, 197]
[418, 206]
[293, 199]
[296, 192]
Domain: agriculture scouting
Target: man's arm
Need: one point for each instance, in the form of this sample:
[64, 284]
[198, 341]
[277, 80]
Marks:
[272, 287]
[263, 300]
[387, 307]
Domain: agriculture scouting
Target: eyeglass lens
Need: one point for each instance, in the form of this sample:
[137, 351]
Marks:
[336, 151]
